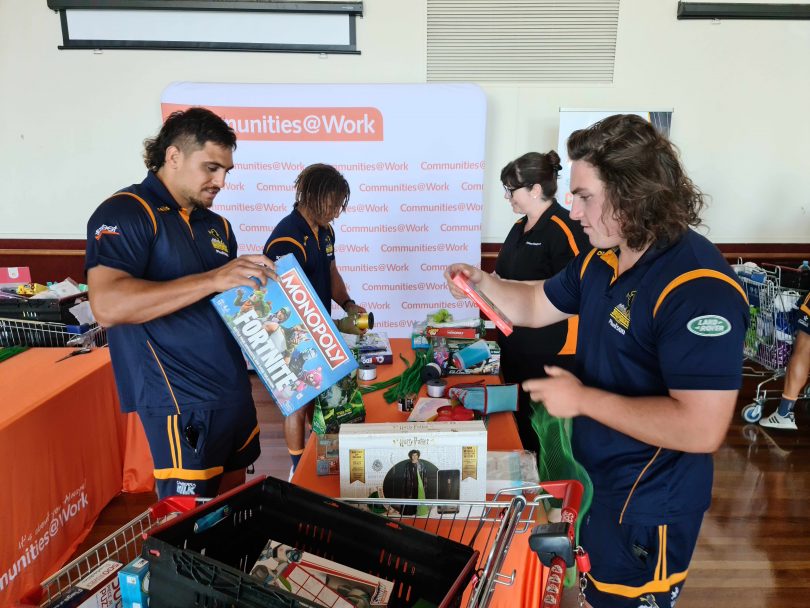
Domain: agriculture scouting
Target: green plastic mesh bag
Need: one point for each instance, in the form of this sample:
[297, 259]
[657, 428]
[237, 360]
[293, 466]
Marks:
[556, 462]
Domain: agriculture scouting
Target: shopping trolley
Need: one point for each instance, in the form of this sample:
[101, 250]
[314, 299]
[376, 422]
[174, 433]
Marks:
[486, 527]
[123, 546]
[769, 339]
[17, 332]
[422, 557]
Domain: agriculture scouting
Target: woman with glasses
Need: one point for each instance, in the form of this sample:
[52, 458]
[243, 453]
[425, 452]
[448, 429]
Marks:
[540, 244]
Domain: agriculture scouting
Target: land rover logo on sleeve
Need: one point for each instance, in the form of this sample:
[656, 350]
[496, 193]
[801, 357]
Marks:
[709, 326]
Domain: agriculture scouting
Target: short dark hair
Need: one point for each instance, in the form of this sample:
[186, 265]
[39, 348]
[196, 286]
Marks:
[534, 168]
[188, 130]
[648, 190]
[318, 187]
[412, 452]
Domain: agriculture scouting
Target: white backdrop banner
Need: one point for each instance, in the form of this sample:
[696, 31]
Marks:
[571, 120]
[414, 159]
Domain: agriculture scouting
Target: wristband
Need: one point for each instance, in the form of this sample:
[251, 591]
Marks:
[346, 303]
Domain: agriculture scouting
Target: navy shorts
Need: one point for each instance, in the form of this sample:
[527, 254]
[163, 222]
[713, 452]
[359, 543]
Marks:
[192, 450]
[631, 561]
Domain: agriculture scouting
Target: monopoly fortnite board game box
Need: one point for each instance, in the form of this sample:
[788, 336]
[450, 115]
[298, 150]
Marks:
[287, 335]
[418, 460]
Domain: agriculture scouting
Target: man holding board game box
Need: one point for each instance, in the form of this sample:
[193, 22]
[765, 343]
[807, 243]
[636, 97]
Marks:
[156, 253]
[662, 319]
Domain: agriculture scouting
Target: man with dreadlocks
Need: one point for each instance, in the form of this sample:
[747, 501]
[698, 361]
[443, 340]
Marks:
[321, 195]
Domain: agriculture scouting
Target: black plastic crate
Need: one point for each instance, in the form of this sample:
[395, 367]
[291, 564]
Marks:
[208, 568]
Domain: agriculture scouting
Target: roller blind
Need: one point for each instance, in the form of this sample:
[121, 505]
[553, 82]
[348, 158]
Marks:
[521, 40]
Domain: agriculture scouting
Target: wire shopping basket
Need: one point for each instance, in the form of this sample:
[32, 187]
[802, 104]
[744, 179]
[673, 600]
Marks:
[16, 332]
[769, 340]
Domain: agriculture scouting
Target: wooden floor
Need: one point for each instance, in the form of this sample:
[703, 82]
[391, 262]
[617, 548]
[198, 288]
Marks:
[754, 548]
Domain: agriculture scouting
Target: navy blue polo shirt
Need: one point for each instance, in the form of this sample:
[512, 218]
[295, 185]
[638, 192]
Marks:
[187, 359]
[314, 252]
[675, 320]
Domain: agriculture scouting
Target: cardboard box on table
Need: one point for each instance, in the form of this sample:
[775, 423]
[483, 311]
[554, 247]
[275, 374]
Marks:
[375, 463]
[463, 333]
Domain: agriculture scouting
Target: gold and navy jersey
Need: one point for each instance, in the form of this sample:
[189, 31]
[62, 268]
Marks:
[676, 320]
[314, 252]
[186, 359]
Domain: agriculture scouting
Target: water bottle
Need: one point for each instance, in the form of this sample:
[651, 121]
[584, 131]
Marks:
[804, 276]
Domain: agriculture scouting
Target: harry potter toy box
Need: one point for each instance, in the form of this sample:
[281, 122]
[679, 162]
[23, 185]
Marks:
[287, 335]
[414, 460]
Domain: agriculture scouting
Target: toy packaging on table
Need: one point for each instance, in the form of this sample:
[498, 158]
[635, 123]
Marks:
[326, 454]
[287, 335]
[341, 403]
[464, 332]
[426, 409]
[416, 460]
[442, 325]
[372, 348]
[463, 357]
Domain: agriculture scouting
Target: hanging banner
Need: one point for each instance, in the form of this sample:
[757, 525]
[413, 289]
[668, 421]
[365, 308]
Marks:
[571, 120]
[413, 157]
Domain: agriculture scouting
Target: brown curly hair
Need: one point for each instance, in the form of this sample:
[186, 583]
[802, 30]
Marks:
[648, 190]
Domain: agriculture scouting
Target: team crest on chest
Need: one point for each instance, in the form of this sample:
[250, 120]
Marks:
[330, 247]
[217, 243]
[620, 315]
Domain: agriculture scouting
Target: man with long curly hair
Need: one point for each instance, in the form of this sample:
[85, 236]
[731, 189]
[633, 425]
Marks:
[662, 319]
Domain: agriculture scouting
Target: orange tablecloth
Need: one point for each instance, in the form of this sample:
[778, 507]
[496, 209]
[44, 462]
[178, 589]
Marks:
[501, 435]
[62, 454]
